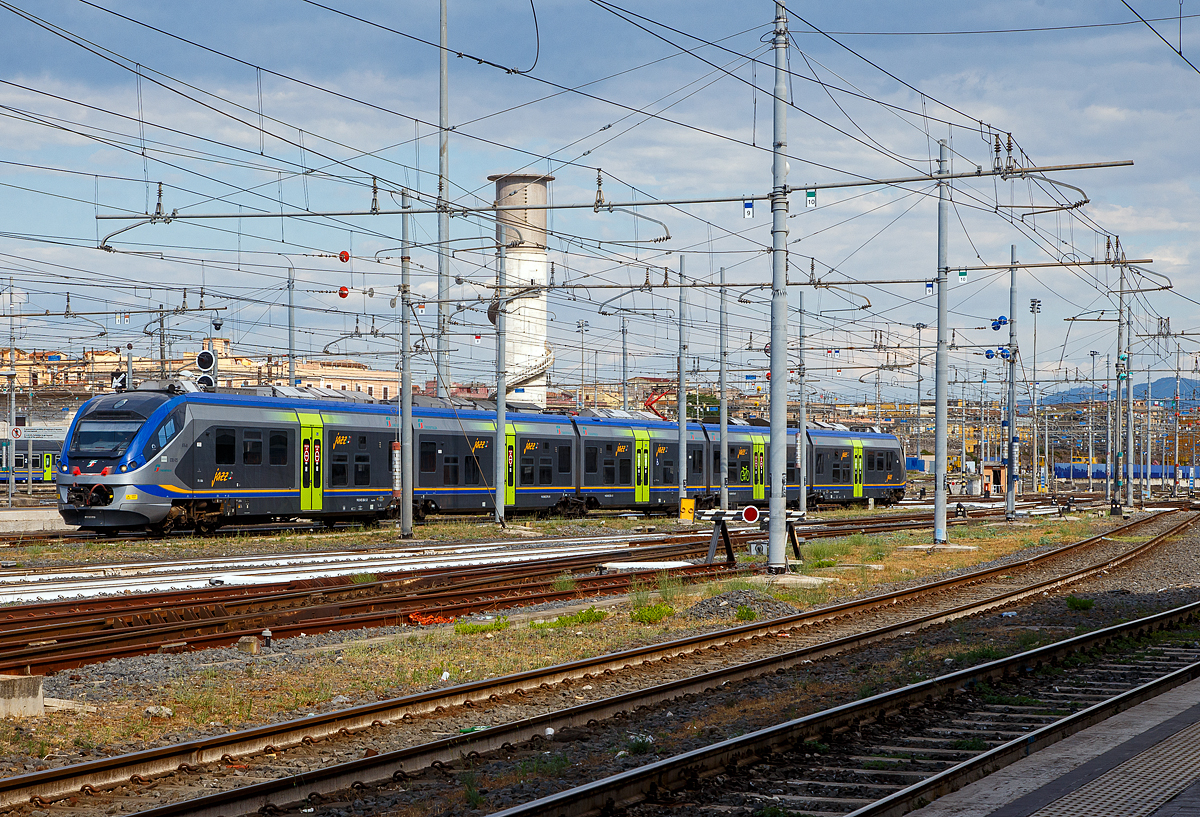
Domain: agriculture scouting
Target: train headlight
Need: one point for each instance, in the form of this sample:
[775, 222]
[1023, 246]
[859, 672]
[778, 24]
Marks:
[124, 469]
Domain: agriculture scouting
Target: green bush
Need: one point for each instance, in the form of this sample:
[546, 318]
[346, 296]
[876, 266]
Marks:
[1076, 603]
[589, 616]
[652, 613]
[472, 627]
[745, 613]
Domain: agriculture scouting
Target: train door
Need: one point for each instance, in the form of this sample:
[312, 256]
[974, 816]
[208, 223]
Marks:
[311, 486]
[858, 469]
[510, 467]
[48, 466]
[641, 466]
[760, 468]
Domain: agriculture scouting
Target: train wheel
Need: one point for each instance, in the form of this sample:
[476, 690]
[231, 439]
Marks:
[111, 533]
[162, 528]
[207, 527]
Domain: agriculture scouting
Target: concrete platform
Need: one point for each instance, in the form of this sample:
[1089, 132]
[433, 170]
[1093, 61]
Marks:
[1144, 762]
[31, 520]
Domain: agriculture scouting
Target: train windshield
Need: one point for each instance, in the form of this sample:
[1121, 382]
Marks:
[107, 438]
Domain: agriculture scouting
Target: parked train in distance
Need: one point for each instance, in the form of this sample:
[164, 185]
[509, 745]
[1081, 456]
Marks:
[170, 456]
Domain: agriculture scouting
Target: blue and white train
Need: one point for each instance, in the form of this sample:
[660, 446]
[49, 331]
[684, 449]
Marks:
[168, 456]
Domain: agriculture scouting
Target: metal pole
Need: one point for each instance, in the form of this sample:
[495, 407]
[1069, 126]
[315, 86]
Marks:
[1091, 419]
[624, 363]
[777, 474]
[129, 369]
[1128, 412]
[10, 448]
[1035, 306]
[29, 454]
[1108, 436]
[406, 428]
[681, 393]
[919, 327]
[443, 225]
[943, 350]
[724, 409]
[292, 324]
[1010, 437]
[1175, 467]
[500, 448]
[802, 420]
[1148, 447]
[162, 343]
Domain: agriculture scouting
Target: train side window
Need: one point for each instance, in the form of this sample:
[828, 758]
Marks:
[226, 446]
[545, 471]
[564, 459]
[428, 457]
[278, 448]
[590, 458]
[610, 472]
[20, 460]
[668, 472]
[526, 470]
[471, 471]
[891, 461]
[697, 458]
[732, 476]
[820, 466]
[37, 460]
[791, 475]
[449, 470]
[362, 469]
[625, 469]
[362, 442]
[339, 474]
[716, 460]
[252, 447]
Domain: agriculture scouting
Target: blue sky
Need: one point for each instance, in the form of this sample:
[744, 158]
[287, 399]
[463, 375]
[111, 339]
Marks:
[72, 139]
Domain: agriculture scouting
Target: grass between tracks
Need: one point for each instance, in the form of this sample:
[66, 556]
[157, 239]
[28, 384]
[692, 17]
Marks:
[261, 689]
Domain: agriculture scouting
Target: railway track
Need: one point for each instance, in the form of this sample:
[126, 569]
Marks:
[48, 637]
[893, 752]
[661, 672]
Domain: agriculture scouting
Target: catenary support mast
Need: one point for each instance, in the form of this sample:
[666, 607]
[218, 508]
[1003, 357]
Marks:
[943, 347]
[777, 468]
[443, 220]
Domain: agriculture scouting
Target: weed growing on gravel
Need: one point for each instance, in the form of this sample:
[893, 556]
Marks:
[979, 654]
[547, 765]
[470, 784]
[814, 747]
[820, 563]
[564, 583]
[639, 745]
[639, 595]
[473, 627]
[588, 616]
[969, 744]
[729, 585]
[745, 613]
[1028, 640]
[652, 613]
[363, 578]
[1080, 604]
[670, 588]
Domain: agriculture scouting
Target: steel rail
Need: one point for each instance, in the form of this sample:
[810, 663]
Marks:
[400, 763]
[680, 770]
[116, 770]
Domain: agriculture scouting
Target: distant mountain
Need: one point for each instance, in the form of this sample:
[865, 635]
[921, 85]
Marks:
[1161, 389]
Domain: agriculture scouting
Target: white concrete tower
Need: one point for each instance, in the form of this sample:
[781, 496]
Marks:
[528, 355]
